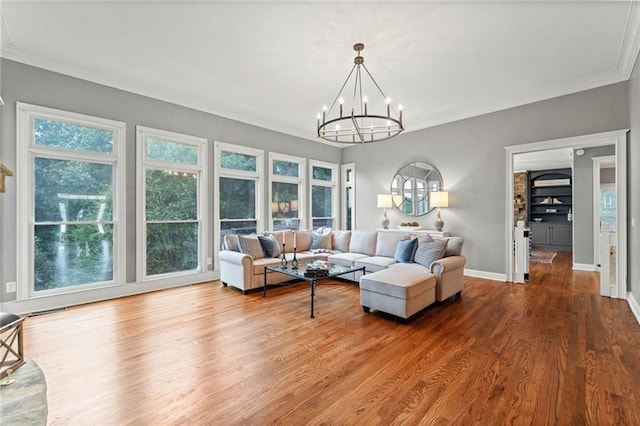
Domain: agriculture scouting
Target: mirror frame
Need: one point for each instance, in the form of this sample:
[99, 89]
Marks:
[412, 185]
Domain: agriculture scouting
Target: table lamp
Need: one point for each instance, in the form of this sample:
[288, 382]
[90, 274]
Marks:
[439, 199]
[384, 202]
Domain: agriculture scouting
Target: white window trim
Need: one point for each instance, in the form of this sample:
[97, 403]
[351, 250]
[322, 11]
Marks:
[26, 151]
[344, 169]
[142, 133]
[333, 184]
[219, 172]
[300, 180]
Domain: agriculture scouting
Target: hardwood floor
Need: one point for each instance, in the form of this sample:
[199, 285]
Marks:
[543, 353]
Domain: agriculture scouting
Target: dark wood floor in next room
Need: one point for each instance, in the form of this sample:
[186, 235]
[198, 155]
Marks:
[549, 352]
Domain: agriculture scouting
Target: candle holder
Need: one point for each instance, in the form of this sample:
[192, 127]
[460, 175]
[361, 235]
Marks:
[283, 262]
[294, 261]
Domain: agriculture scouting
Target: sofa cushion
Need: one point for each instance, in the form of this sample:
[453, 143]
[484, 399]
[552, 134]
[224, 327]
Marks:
[231, 242]
[363, 242]
[427, 253]
[348, 259]
[403, 283]
[387, 242]
[249, 244]
[269, 245]
[302, 239]
[340, 240]
[375, 263]
[454, 246]
[320, 241]
[405, 250]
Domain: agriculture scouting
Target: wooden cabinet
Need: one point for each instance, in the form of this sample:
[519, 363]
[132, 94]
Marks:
[556, 236]
[550, 208]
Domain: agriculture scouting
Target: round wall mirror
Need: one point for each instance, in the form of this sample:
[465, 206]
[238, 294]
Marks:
[412, 185]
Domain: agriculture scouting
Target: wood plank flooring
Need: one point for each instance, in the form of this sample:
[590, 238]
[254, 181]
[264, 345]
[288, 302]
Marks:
[548, 352]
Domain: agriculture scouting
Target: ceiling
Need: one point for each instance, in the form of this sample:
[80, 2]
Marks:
[274, 64]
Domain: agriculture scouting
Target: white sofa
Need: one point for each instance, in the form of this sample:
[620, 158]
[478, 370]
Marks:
[374, 250]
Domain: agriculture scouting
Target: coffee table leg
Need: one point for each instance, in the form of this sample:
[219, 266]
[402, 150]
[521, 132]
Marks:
[313, 292]
[264, 289]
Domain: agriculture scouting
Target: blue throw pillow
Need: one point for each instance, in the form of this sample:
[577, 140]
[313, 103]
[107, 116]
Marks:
[269, 245]
[405, 250]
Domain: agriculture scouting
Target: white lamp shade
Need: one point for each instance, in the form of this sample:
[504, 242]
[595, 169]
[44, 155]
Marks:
[385, 201]
[439, 199]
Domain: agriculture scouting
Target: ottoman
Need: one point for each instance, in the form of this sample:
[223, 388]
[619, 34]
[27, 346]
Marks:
[398, 291]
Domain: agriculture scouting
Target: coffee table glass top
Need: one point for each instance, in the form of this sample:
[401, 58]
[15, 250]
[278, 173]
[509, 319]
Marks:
[330, 270]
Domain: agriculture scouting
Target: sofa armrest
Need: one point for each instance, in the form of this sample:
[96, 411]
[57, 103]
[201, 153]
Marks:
[236, 269]
[235, 257]
[449, 272]
[446, 264]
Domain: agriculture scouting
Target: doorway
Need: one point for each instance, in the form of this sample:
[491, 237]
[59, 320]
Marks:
[617, 139]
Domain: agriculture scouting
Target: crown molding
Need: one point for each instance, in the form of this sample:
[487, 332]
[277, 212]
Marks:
[12, 53]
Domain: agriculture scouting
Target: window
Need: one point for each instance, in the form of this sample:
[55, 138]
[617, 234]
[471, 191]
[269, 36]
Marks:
[239, 189]
[608, 205]
[171, 214]
[348, 196]
[70, 203]
[323, 194]
[286, 192]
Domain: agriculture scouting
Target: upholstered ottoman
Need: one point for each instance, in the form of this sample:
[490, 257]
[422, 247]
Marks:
[398, 291]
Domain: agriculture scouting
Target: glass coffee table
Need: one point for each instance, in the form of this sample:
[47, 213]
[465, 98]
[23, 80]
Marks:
[311, 272]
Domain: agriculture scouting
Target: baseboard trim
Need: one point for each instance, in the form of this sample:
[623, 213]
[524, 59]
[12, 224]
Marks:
[486, 275]
[60, 301]
[633, 304]
[584, 267]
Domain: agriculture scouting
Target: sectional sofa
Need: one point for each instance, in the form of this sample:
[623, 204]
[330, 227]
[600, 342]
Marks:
[376, 251]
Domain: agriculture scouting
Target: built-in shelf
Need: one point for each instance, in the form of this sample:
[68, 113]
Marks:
[555, 230]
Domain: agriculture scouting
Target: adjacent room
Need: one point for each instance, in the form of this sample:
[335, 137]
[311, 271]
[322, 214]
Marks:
[312, 212]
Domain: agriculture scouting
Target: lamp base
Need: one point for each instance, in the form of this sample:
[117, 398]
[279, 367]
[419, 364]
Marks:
[385, 223]
[439, 223]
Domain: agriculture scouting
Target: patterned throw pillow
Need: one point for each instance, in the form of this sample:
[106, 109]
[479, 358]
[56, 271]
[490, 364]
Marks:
[405, 250]
[269, 245]
[427, 253]
[321, 241]
[250, 245]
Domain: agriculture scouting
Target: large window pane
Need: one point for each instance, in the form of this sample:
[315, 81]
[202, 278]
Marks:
[322, 201]
[322, 173]
[71, 255]
[349, 207]
[171, 195]
[171, 247]
[284, 201]
[72, 191]
[286, 168]
[237, 198]
[235, 161]
[57, 134]
[159, 149]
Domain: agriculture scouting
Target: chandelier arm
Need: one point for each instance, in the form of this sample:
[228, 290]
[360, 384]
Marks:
[376, 83]
[357, 127]
[342, 88]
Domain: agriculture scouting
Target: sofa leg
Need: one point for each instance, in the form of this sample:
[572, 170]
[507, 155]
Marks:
[366, 309]
[224, 284]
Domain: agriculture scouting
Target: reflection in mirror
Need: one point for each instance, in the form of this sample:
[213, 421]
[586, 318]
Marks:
[412, 185]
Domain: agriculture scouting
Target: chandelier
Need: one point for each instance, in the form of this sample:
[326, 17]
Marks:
[352, 121]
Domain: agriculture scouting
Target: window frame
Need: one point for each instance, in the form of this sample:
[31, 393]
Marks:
[257, 176]
[301, 181]
[27, 152]
[346, 185]
[142, 165]
[333, 184]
